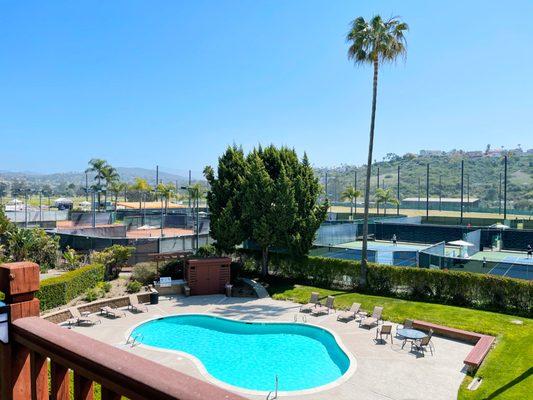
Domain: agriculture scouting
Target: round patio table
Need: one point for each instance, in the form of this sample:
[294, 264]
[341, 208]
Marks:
[410, 334]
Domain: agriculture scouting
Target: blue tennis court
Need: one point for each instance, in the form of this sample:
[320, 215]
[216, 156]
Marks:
[514, 267]
[379, 252]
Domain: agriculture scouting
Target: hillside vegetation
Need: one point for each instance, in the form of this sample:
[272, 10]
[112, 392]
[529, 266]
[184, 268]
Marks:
[482, 173]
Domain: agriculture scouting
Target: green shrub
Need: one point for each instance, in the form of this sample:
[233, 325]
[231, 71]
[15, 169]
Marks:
[134, 287]
[113, 258]
[144, 272]
[19, 244]
[172, 269]
[92, 294]
[2, 296]
[72, 260]
[207, 250]
[105, 287]
[58, 291]
[467, 289]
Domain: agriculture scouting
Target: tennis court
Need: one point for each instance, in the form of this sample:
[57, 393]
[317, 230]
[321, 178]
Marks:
[514, 267]
[383, 252]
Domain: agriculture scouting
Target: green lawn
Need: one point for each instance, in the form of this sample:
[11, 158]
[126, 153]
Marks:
[506, 371]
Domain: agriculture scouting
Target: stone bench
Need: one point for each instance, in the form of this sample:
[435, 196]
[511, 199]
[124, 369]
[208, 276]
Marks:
[482, 343]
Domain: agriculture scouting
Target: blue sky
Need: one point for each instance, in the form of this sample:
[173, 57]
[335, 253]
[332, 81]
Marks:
[173, 83]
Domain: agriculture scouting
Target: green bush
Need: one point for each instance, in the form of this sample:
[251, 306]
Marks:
[58, 291]
[105, 287]
[92, 294]
[172, 269]
[207, 250]
[113, 258]
[144, 272]
[2, 296]
[467, 289]
[134, 287]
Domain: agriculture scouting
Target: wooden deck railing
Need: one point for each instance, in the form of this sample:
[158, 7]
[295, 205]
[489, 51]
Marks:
[37, 347]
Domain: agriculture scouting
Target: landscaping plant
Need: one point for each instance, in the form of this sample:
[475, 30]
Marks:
[113, 258]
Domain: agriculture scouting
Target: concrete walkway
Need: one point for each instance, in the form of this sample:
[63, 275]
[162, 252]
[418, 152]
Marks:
[384, 371]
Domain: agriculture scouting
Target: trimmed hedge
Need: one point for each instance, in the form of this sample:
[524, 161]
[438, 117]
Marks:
[474, 290]
[57, 291]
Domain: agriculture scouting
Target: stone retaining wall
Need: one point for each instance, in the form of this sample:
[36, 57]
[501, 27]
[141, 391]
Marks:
[60, 316]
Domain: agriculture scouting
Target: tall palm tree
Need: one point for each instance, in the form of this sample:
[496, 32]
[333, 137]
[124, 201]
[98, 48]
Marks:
[166, 192]
[99, 167]
[374, 42]
[351, 194]
[141, 186]
[116, 187]
[385, 196]
[110, 176]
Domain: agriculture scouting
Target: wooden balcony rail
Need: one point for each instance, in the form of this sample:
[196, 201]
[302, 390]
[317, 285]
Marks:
[37, 347]
[119, 372]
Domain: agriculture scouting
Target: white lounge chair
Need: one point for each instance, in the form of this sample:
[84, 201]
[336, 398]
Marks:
[350, 314]
[79, 319]
[374, 319]
[112, 312]
[135, 305]
[313, 302]
[326, 308]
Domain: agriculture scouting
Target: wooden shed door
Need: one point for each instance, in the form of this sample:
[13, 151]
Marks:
[214, 280]
[207, 280]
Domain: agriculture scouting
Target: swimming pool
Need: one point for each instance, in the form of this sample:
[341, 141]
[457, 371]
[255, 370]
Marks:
[249, 355]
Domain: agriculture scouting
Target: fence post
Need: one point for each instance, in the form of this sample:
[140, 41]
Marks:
[18, 281]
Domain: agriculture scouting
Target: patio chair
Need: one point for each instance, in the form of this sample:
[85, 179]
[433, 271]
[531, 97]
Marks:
[79, 319]
[421, 344]
[112, 312]
[407, 324]
[374, 319]
[386, 330]
[135, 305]
[313, 302]
[326, 308]
[350, 314]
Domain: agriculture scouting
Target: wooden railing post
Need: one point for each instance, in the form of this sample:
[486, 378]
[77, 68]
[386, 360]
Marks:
[18, 281]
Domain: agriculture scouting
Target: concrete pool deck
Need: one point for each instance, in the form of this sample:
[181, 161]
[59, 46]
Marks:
[384, 371]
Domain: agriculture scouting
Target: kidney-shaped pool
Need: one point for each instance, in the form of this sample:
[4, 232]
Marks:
[250, 355]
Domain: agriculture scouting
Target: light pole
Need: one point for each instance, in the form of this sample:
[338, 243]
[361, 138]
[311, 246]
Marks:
[41, 208]
[355, 188]
[500, 196]
[427, 192]
[93, 208]
[462, 187]
[197, 224]
[505, 188]
[398, 192]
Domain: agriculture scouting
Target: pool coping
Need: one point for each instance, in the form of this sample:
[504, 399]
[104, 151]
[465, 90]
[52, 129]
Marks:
[200, 366]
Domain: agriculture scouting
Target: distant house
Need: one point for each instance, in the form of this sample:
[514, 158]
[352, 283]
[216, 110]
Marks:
[431, 153]
[474, 154]
[495, 153]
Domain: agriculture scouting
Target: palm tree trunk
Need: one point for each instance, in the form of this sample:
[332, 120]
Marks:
[364, 265]
[99, 194]
[351, 208]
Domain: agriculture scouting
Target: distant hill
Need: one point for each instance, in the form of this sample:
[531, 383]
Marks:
[483, 173]
[127, 174]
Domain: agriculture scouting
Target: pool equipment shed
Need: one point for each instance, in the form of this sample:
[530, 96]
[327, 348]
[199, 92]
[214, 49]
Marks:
[207, 275]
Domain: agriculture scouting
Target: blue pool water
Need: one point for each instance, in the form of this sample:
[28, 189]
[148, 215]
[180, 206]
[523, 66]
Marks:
[250, 355]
